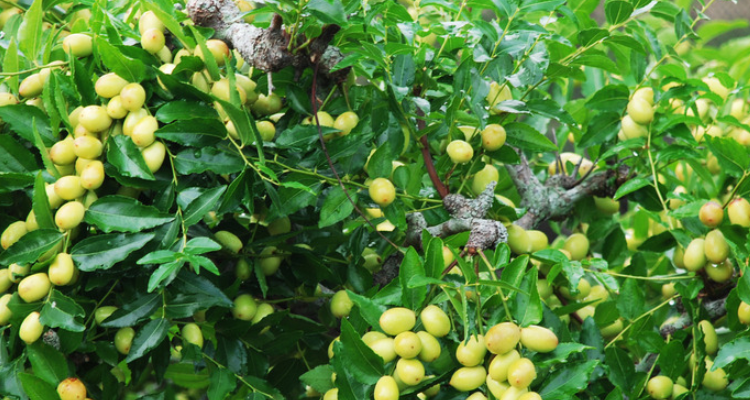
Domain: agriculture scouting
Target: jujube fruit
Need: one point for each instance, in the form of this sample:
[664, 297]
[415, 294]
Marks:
[62, 270]
[498, 368]
[465, 379]
[521, 373]
[71, 389]
[31, 329]
[78, 45]
[695, 255]
[502, 337]
[341, 304]
[152, 40]
[471, 352]
[13, 233]
[244, 307]
[386, 389]
[384, 348]
[660, 387]
[460, 152]
[641, 111]
[711, 214]
[430, 347]
[191, 333]
[95, 118]
[108, 86]
[382, 192]
[396, 320]
[34, 287]
[70, 215]
[132, 96]
[738, 211]
[124, 340]
[229, 241]
[539, 339]
[493, 137]
[435, 321]
[407, 344]
[410, 372]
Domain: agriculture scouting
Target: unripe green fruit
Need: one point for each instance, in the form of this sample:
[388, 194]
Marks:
[219, 50]
[243, 270]
[633, 130]
[435, 321]
[543, 288]
[143, 131]
[63, 152]
[373, 336]
[468, 378]
[5, 281]
[62, 270]
[70, 215]
[88, 147]
[341, 304]
[743, 313]
[229, 241]
[13, 233]
[346, 122]
[607, 205]
[695, 255]
[386, 389]
[191, 333]
[577, 245]
[34, 287]
[31, 86]
[539, 339]
[279, 226]
[711, 214]
[430, 347]
[267, 130]
[715, 380]
[152, 40]
[721, 272]
[641, 111]
[124, 340]
[78, 45]
[248, 85]
[470, 353]
[598, 293]
[267, 105]
[133, 96]
[493, 137]
[539, 240]
[154, 155]
[263, 310]
[95, 119]
[382, 192]
[678, 258]
[498, 93]
[460, 152]
[518, 240]
[103, 313]
[71, 389]
[502, 337]
[220, 89]
[411, 372]
[660, 387]
[31, 329]
[584, 288]
[385, 348]
[498, 368]
[108, 86]
[16, 272]
[244, 307]
[678, 390]
[739, 212]
[5, 313]
[612, 330]
[149, 20]
[407, 344]
[645, 93]
[396, 320]
[521, 373]
[92, 176]
[482, 178]
[269, 262]
[709, 337]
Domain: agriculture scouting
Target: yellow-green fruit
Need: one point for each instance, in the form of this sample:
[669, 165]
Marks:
[521, 373]
[31, 222]
[219, 50]
[31, 329]
[411, 372]
[430, 346]
[396, 320]
[513, 393]
[132, 96]
[331, 394]
[248, 85]
[645, 93]
[103, 313]
[539, 339]
[143, 132]
[5, 313]
[244, 307]
[31, 86]
[498, 368]
[459, 152]
[714, 84]
[711, 214]
[502, 337]
[493, 137]
[92, 176]
[221, 90]
[539, 240]
[13, 233]
[598, 293]
[641, 111]
[435, 321]
[243, 270]
[341, 304]
[62, 270]
[477, 396]
[743, 313]
[577, 245]
[71, 389]
[407, 344]
[7, 99]
[385, 348]
[280, 226]
[543, 288]
[373, 336]
[63, 152]
[269, 261]
[468, 378]
[108, 86]
[191, 333]
[530, 396]
[584, 288]
[607, 205]
[695, 255]
[482, 178]
[154, 155]
[88, 147]
[382, 192]
[471, 352]
[739, 109]
[267, 130]
[124, 340]
[721, 272]
[78, 45]
[498, 93]
[612, 330]
[34, 287]
[70, 215]
[678, 258]
[267, 105]
[715, 380]
[496, 388]
[738, 211]
[263, 310]
[660, 387]
[152, 40]
[386, 389]
[133, 118]
[16, 272]
[678, 390]
[149, 20]
[709, 337]
[518, 239]
[5, 281]
[632, 129]
[229, 241]
[346, 122]
[95, 119]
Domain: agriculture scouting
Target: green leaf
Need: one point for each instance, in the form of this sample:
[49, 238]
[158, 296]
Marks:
[601, 129]
[411, 266]
[568, 380]
[525, 137]
[199, 132]
[737, 349]
[147, 338]
[124, 155]
[14, 157]
[319, 378]
[618, 12]
[550, 108]
[10, 64]
[630, 186]
[132, 313]
[610, 98]
[22, 117]
[369, 310]
[596, 59]
[528, 307]
[32, 245]
[130, 69]
[380, 164]
[222, 382]
[201, 245]
[513, 272]
[561, 354]
[196, 161]
[201, 202]
[183, 110]
[672, 359]
[733, 157]
[165, 11]
[190, 283]
[47, 363]
[631, 302]
[103, 251]
[61, 312]
[184, 375]
[364, 365]
[709, 30]
[124, 214]
[35, 387]
[30, 32]
[327, 11]
[40, 205]
[336, 207]
[163, 273]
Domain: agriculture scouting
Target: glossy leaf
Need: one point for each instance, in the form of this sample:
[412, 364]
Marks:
[32, 245]
[124, 214]
[104, 251]
[147, 338]
[125, 156]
